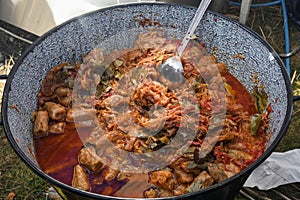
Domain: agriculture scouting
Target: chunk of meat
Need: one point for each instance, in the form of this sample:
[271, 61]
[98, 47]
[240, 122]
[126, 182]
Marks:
[83, 114]
[190, 167]
[183, 177]
[165, 193]
[151, 193]
[110, 174]
[56, 111]
[80, 178]
[53, 80]
[217, 172]
[69, 115]
[180, 190]
[57, 128]
[41, 124]
[231, 169]
[163, 179]
[83, 117]
[64, 95]
[89, 158]
[203, 180]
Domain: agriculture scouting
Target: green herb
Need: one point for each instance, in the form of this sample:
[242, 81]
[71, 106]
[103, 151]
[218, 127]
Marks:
[255, 122]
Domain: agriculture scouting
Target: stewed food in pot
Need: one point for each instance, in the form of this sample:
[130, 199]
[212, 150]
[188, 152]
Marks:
[112, 124]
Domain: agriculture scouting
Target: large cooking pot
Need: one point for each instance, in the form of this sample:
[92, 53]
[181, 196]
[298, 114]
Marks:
[117, 27]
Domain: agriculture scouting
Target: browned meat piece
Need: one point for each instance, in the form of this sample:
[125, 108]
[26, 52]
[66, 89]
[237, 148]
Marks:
[183, 177]
[56, 111]
[163, 179]
[80, 179]
[231, 169]
[190, 167]
[203, 180]
[83, 114]
[110, 174]
[57, 128]
[52, 80]
[180, 190]
[41, 124]
[217, 172]
[69, 115]
[165, 193]
[64, 96]
[88, 157]
[151, 193]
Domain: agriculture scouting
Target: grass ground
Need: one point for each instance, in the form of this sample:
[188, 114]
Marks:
[18, 182]
[16, 179]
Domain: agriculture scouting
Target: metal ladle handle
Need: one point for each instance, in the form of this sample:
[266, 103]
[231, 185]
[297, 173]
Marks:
[197, 18]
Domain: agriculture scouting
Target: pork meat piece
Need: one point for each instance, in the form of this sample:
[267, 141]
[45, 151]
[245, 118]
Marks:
[163, 179]
[64, 95]
[80, 178]
[151, 193]
[82, 116]
[184, 177]
[110, 174]
[69, 115]
[56, 111]
[41, 124]
[203, 180]
[57, 128]
[89, 158]
[217, 172]
[180, 190]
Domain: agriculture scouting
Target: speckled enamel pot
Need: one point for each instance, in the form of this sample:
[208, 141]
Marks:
[117, 27]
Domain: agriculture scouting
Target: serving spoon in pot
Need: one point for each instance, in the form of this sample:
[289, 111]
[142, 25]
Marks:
[172, 68]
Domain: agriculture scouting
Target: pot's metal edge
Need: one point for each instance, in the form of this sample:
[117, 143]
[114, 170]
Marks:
[53, 181]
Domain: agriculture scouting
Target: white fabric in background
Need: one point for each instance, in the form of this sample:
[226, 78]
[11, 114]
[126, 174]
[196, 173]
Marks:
[278, 169]
[39, 16]
[66, 9]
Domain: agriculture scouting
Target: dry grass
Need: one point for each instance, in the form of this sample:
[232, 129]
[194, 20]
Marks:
[296, 82]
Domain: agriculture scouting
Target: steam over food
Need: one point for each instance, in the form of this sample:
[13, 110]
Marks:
[112, 124]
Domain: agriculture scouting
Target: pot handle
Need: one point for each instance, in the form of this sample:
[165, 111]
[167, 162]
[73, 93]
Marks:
[296, 98]
[290, 54]
[2, 77]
